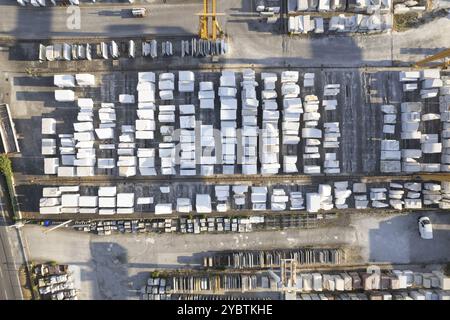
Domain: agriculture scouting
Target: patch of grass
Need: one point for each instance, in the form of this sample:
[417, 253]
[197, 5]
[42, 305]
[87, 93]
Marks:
[35, 290]
[410, 20]
[25, 283]
[406, 21]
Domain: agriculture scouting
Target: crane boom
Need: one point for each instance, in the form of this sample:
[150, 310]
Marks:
[434, 176]
[443, 55]
[203, 31]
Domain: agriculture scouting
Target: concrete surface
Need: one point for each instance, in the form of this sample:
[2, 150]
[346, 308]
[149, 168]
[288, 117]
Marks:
[114, 267]
[263, 44]
[396, 238]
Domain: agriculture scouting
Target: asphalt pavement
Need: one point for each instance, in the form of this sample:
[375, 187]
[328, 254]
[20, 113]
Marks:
[6, 283]
[9, 269]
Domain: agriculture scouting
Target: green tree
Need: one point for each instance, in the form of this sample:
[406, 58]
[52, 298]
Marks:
[5, 165]
[6, 170]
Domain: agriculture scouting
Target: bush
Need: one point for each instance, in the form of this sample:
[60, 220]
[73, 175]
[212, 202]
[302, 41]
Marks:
[35, 292]
[5, 165]
[447, 270]
[6, 170]
[406, 20]
[52, 263]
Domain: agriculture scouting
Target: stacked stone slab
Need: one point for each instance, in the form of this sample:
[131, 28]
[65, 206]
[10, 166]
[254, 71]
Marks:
[187, 160]
[127, 160]
[150, 49]
[278, 200]
[413, 198]
[390, 156]
[331, 141]
[326, 197]
[312, 135]
[292, 110]
[410, 131]
[430, 83]
[297, 201]
[389, 118]
[396, 194]
[444, 109]
[51, 201]
[341, 194]
[228, 117]
[378, 197]
[270, 141]
[239, 195]
[51, 164]
[445, 192]
[167, 153]
[206, 96]
[145, 123]
[107, 200]
[106, 136]
[360, 195]
[207, 143]
[431, 193]
[259, 198]
[249, 141]
[222, 195]
[166, 85]
[430, 141]
[410, 80]
[308, 80]
[85, 159]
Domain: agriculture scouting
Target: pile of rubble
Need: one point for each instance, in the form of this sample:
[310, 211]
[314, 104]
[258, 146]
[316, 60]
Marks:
[368, 6]
[405, 6]
[55, 282]
[304, 24]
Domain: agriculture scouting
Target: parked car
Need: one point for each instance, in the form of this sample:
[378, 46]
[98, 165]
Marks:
[425, 228]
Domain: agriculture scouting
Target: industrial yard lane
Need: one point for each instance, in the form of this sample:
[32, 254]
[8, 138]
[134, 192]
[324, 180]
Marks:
[264, 43]
[114, 267]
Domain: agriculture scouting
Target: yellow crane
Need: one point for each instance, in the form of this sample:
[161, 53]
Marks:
[204, 18]
[444, 56]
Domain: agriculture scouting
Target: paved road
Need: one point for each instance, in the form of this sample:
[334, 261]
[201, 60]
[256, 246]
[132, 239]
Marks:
[252, 41]
[107, 20]
[9, 281]
[111, 266]
[6, 286]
